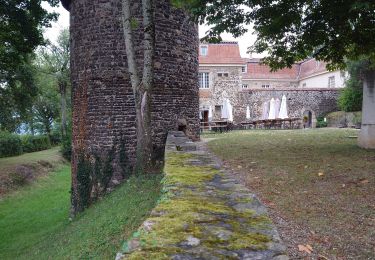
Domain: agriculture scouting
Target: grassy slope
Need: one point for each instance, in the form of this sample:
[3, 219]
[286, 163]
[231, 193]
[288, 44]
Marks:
[34, 221]
[50, 155]
[284, 166]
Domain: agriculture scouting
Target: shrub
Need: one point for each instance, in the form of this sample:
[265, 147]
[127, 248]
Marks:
[34, 143]
[10, 144]
[350, 99]
[66, 147]
[55, 138]
[320, 122]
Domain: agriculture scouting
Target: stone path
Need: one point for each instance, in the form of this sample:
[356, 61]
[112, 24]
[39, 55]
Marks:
[205, 213]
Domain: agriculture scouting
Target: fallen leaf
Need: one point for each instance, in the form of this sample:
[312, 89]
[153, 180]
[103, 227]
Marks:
[305, 248]
[365, 181]
[343, 185]
[320, 174]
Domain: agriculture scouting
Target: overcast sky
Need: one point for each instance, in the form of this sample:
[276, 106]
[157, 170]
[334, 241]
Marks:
[51, 33]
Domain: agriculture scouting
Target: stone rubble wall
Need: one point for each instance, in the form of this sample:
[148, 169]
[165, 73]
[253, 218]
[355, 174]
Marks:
[103, 104]
[204, 213]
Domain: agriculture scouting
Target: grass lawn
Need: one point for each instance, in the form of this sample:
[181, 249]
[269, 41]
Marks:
[34, 220]
[319, 186]
[23, 169]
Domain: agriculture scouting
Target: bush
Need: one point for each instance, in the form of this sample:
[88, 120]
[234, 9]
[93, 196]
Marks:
[320, 122]
[66, 147]
[34, 143]
[55, 138]
[10, 144]
[350, 99]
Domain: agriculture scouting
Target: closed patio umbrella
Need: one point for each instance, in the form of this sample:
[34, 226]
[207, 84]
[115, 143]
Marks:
[265, 109]
[210, 113]
[230, 111]
[247, 112]
[277, 107]
[271, 114]
[283, 108]
[224, 110]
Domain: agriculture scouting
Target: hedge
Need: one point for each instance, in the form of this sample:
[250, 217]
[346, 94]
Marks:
[34, 143]
[13, 144]
[10, 144]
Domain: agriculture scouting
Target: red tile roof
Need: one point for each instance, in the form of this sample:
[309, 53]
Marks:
[255, 70]
[229, 53]
[311, 67]
[222, 53]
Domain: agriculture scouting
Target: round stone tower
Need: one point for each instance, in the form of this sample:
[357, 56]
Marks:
[104, 135]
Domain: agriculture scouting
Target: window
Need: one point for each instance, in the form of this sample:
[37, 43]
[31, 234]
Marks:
[244, 69]
[265, 86]
[218, 110]
[204, 50]
[331, 82]
[223, 74]
[204, 80]
[304, 85]
[244, 86]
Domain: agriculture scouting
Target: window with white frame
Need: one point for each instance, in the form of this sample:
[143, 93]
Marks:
[265, 86]
[244, 86]
[244, 69]
[331, 82]
[204, 80]
[223, 74]
[204, 50]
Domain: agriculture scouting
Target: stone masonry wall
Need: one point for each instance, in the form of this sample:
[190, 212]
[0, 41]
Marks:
[318, 101]
[103, 104]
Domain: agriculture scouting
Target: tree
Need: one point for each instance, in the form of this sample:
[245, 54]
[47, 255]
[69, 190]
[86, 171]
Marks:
[54, 61]
[21, 25]
[45, 111]
[141, 85]
[351, 97]
[17, 96]
[293, 30]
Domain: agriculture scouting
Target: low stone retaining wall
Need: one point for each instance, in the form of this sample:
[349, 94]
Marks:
[204, 213]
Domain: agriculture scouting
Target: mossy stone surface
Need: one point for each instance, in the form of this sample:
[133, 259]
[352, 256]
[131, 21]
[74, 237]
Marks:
[203, 214]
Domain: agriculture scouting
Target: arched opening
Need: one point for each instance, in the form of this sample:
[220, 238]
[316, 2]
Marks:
[307, 119]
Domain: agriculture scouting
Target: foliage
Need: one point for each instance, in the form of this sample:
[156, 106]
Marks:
[290, 31]
[54, 62]
[351, 97]
[66, 147]
[10, 144]
[16, 96]
[320, 122]
[21, 28]
[84, 184]
[34, 143]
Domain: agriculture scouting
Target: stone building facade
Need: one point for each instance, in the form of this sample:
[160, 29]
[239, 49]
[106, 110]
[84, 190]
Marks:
[103, 104]
[224, 74]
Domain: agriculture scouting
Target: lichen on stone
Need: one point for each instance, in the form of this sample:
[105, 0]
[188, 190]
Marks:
[196, 208]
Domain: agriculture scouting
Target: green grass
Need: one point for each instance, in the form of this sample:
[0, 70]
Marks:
[283, 168]
[34, 220]
[50, 155]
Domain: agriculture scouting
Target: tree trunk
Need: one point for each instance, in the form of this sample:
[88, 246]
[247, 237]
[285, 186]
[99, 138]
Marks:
[141, 88]
[367, 135]
[62, 88]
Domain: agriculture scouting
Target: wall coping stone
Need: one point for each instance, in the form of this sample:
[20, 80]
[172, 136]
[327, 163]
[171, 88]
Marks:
[204, 213]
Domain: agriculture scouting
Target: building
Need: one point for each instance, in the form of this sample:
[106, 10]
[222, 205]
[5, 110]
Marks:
[223, 74]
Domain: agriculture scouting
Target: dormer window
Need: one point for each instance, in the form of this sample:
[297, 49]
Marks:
[244, 69]
[203, 50]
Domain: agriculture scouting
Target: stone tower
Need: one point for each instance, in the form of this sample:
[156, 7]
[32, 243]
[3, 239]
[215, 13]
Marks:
[103, 105]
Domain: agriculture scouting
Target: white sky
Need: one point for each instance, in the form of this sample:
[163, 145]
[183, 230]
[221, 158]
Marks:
[244, 41]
